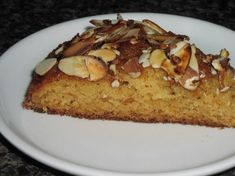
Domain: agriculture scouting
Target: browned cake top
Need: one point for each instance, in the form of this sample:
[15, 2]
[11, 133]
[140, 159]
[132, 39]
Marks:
[130, 46]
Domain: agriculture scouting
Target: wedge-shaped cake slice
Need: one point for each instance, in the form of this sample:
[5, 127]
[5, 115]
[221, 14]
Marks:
[134, 70]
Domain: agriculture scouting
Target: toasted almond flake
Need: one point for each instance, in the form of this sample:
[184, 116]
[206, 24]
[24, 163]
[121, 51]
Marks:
[213, 71]
[87, 34]
[157, 57]
[146, 64]
[105, 54]
[114, 22]
[189, 83]
[183, 58]
[74, 66]
[78, 48]
[149, 31]
[45, 65]
[115, 84]
[224, 53]
[153, 26]
[59, 50]
[148, 50]
[132, 33]
[101, 38]
[116, 52]
[98, 23]
[133, 41]
[112, 67]
[224, 89]
[193, 63]
[202, 75]
[109, 46]
[144, 57]
[178, 47]
[216, 64]
[96, 68]
[134, 74]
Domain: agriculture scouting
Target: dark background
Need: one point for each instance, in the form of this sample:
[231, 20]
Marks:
[20, 18]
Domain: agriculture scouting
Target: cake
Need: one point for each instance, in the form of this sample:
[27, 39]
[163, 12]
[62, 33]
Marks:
[133, 70]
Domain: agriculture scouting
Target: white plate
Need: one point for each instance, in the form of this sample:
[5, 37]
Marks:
[108, 147]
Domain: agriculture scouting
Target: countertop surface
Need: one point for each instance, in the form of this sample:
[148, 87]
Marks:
[20, 18]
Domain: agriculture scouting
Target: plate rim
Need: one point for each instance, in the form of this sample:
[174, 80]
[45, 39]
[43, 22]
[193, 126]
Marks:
[72, 168]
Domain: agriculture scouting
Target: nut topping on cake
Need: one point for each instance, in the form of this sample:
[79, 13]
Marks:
[157, 57]
[96, 68]
[132, 46]
[74, 66]
[191, 76]
[44, 66]
[106, 55]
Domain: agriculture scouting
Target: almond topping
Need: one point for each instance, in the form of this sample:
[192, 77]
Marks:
[112, 67]
[154, 26]
[157, 57]
[132, 33]
[191, 76]
[134, 74]
[74, 66]
[109, 46]
[59, 50]
[132, 67]
[105, 54]
[87, 34]
[96, 68]
[224, 53]
[115, 84]
[183, 54]
[144, 59]
[45, 65]
[78, 48]
[216, 64]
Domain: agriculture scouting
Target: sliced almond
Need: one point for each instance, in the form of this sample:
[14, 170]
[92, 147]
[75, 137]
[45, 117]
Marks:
[157, 57]
[224, 53]
[193, 63]
[99, 23]
[105, 54]
[74, 66]
[213, 71]
[132, 67]
[183, 57]
[132, 33]
[179, 46]
[133, 41]
[134, 74]
[144, 58]
[87, 34]
[188, 81]
[191, 76]
[101, 38]
[149, 31]
[115, 84]
[44, 66]
[217, 65]
[109, 46]
[170, 69]
[96, 68]
[154, 26]
[59, 50]
[78, 48]
[112, 67]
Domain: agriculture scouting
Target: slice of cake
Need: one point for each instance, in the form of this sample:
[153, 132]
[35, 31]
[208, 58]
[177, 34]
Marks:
[134, 70]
